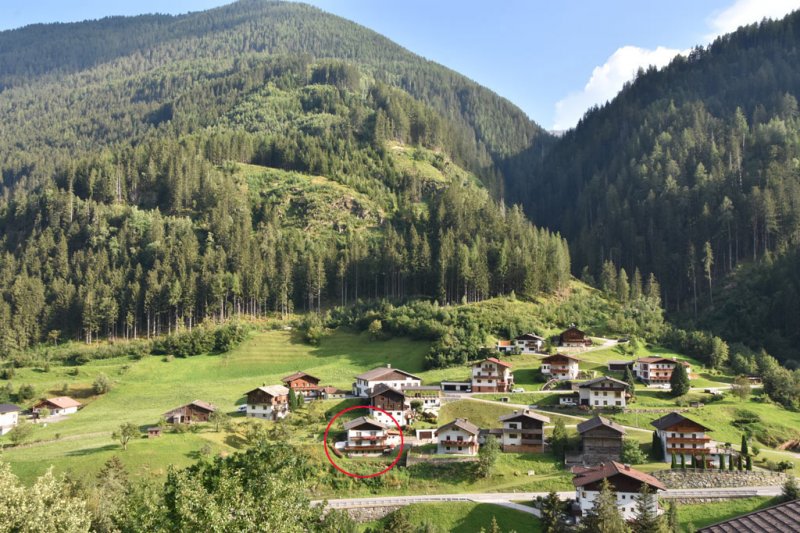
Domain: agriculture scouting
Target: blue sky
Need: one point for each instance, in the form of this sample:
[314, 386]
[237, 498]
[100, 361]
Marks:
[553, 59]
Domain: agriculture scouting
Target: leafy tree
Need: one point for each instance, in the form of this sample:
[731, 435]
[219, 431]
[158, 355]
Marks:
[790, 490]
[101, 384]
[487, 456]
[125, 433]
[741, 387]
[679, 381]
[20, 433]
[604, 517]
[631, 452]
[559, 439]
[219, 419]
[26, 392]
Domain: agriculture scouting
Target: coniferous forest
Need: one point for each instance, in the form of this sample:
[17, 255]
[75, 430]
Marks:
[266, 157]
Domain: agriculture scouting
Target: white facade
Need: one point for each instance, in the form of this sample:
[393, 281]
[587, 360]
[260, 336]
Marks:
[521, 345]
[562, 371]
[454, 440]
[8, 421]
[626, 502]
[396, 379]
[403, 418]
[267, 411]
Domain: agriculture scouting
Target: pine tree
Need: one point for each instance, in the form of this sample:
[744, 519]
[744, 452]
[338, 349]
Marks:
[559, 439]
[646, 519]
[673, 524]
[630, 381]
[657, 448]
[605, 516]
[744, 449]
[553, 517]
[679, 381]
[790, 491]
[494, 527]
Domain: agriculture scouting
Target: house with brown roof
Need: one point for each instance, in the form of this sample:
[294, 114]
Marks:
[784, 517]
[656, 370]
[687, 439]
[302, 384]
[9, 417]
[560, 366]
[62, 405]
[330, 393]
[366, 436]
[270, 402]
[457, 437]
[604, 392]
[393, 402]
[492, 375]
[523, 431]
[393, 377]
[601, 440]
[624, 480]
[572, 337]
[197, 411]
[527, 343]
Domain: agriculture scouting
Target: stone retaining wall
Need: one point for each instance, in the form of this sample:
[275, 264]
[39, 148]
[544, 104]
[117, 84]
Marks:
[367, 514]
[713, 479]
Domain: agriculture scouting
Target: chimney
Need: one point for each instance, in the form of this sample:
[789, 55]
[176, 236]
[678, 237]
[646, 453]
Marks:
[388, 365]
[627, 467]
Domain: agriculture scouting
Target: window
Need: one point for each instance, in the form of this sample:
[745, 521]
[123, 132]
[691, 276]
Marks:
[512, 436]
[447, 448]
[459, 448]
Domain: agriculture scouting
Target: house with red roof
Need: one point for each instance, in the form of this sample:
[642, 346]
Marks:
[62, 405]
[492, 375]
[303, 384]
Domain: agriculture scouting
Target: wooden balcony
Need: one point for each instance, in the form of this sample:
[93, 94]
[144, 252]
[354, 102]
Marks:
[687, 440]
[368, 438]
[380, 449]
[458, 442]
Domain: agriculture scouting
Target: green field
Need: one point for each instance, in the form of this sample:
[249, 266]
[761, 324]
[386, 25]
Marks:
[705, 514]
[462, 517]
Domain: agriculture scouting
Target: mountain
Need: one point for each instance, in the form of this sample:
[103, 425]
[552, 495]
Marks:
[264, 156]
[691, 172]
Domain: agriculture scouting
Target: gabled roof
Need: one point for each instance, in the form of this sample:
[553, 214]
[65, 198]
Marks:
[529, 337]
[600, 380]
[525, 413]
[494, 360]
[197, 403]
[574, 328]
[587, 476]
[667, 421]
[385, 373]
[363, 420]
[461, 423]
[272, 390]
[655, 359]
[62, 402]
[382, 388]
[559, 356]
[9, 408]
[599, 421]
[298, 375]
[330, 389]
[782, 517]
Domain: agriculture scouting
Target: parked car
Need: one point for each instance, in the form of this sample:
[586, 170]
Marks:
[242, 408]
[518, 389]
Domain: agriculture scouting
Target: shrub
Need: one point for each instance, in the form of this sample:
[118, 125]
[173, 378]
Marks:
[632, 453]
[101, 384]
[229, 336]
[26, 392]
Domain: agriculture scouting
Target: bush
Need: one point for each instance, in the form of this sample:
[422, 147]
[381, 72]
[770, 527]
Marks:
[632, 453]
[198, 341]
[101, 384]
[26, 392]
[229, 336]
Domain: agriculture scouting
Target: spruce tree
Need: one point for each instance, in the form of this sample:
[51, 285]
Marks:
[745, 451]
[630, 381]
[679, 381]
[657, 449]
[553, 518]
[646, 519]
[605, 516]
[673, 524]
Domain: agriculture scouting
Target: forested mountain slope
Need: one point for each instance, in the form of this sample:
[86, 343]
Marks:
[689, 172]
[217, 164]
[492, 138]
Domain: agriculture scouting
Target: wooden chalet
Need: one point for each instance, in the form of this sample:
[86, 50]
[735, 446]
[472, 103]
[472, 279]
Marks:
[604, 392]
[560, 366]
[687, 440]
[303, 384]
[574, 338]
[458, 437]
[392, 401]
[270, 402]
[601, 440]
[367, 436]
[624, 480]
[197, 411]
[523, 431]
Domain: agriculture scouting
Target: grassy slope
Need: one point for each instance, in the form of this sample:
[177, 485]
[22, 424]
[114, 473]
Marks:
[461, 517]
[704, 514]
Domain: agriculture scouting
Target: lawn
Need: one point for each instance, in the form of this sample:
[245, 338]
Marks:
[463, 517]
[704, 514]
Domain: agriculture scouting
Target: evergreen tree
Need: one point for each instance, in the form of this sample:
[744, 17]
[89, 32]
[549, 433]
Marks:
[679, 381]
[559, 439]
[790, 491]
[673, 524]
[604, 517]
[553, 519]
[647, 519]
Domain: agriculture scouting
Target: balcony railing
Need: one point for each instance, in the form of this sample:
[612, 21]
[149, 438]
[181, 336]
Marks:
[689, 440]
[458, 442]
[368, 437]
[366, 448]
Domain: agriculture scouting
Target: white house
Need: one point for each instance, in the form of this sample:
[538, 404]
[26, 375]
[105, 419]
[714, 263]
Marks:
[458, 437]
[366, 436]
[561, 366]
[429, 395]
[527, 343]
[63, 405]
[492, 375]
[688, 441]
[625, 481]
[393, 402]
[270, 402]
[9, 417]
[391, 377]
[523, 431]
[603, 392]
[656, 370]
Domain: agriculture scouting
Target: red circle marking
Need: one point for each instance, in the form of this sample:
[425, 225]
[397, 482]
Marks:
[351, 474]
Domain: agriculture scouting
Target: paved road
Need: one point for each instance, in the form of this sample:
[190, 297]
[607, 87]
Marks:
[506, 499]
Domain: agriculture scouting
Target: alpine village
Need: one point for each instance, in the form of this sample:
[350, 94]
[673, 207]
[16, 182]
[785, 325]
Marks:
[263, 269]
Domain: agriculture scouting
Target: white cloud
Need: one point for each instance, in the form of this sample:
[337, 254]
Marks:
[607, 80]
[744, 12]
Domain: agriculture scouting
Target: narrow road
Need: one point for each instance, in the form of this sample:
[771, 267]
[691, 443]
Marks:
[507, 499]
